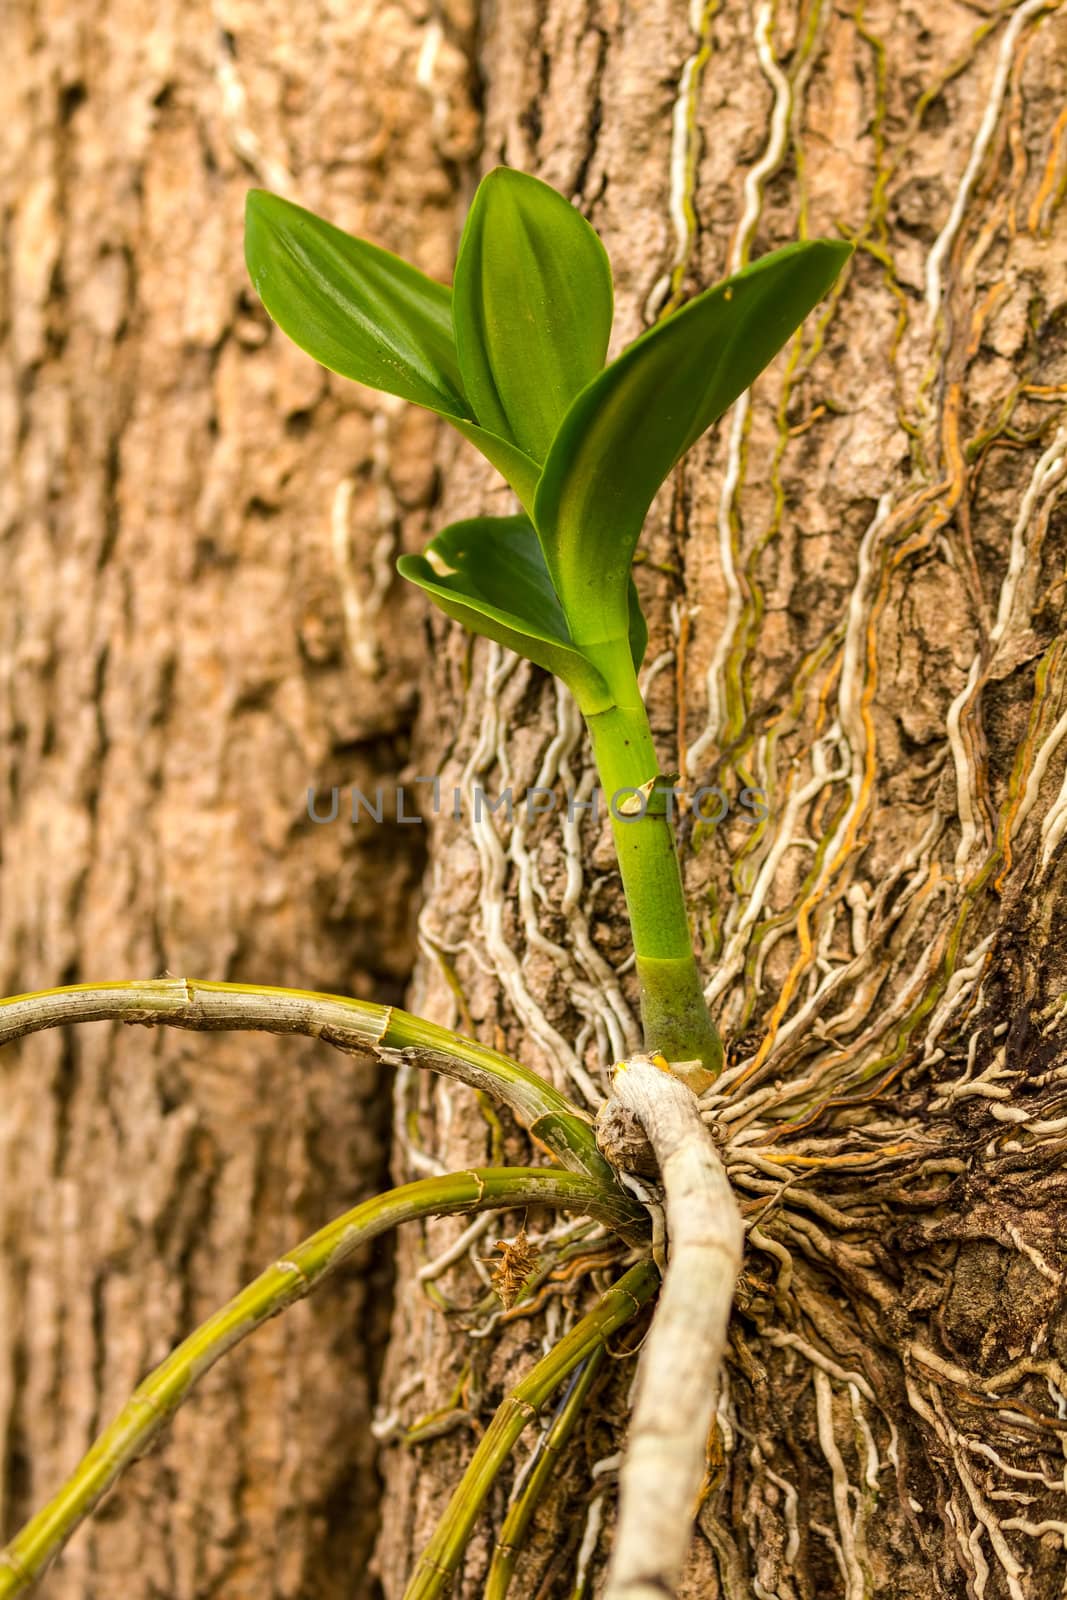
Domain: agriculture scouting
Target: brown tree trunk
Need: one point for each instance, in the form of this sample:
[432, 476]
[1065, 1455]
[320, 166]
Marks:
[857, 597]
[198, 623]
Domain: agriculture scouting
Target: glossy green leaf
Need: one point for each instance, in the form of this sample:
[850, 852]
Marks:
[630, 425]
[532, 307]
[367, 315]
[489, 573]
[356, 308]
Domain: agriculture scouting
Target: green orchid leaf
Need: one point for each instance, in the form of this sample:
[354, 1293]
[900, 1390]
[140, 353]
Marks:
[631, 424]
[356, 308]
[489, 574]
[532, 307]
[499, 560]
[367, 315]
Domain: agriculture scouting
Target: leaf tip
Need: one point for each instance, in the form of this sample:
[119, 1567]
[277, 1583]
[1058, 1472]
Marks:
[258, 203]
[839, 251]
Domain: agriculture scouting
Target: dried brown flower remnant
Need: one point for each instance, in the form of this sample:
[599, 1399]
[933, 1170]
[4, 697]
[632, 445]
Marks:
[518, 1260]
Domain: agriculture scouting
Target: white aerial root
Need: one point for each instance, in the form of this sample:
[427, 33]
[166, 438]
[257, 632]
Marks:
[1028, 531]
[856, 1586]
[244, 140]
[493, 861]
[942, 245]
[684, 143]
[362, 600]
[768, 163]
[679, 1375]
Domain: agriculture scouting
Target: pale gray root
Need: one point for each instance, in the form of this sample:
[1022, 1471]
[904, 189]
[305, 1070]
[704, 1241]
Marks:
[678, 1378]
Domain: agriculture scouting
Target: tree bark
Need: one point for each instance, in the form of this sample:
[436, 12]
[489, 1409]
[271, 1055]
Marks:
[857, 598]
[198, 623]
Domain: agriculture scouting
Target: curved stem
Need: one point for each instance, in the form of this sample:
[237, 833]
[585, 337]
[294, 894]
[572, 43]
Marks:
[441, 1557]
[673, 1010]
[544, 1464]
[678, 1379]
[290, 1278]
[356, 1026]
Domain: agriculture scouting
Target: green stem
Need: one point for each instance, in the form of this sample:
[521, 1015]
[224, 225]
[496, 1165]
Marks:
[549, 1448]
[442, 1555]
[293, 1276]
[673, 1011]
[353, 1025]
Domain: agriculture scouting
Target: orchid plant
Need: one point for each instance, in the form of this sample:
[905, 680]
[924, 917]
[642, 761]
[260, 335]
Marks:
[514, 357]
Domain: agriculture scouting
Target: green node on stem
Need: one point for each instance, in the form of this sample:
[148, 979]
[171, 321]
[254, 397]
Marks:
[347, 1024]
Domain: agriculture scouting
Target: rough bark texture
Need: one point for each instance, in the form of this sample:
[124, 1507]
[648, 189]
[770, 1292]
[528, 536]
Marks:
[195, 531]
[857, 596]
